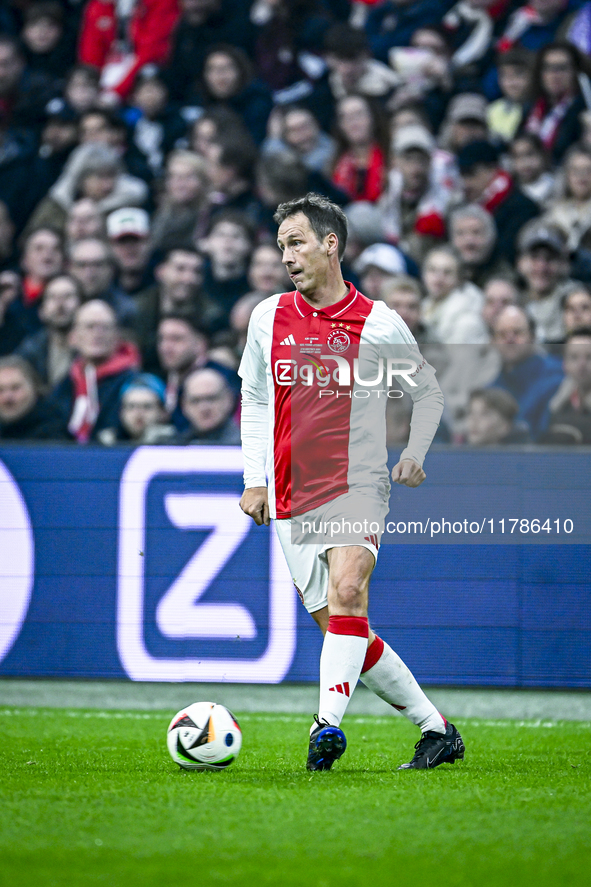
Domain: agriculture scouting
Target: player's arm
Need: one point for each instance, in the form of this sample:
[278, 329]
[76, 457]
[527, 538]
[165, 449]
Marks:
[254, 429]
[426, 414]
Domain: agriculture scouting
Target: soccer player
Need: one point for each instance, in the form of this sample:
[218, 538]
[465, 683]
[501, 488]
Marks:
[317, 433]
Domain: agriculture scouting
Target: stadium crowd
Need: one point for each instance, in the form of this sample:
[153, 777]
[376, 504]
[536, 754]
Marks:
[145, 145]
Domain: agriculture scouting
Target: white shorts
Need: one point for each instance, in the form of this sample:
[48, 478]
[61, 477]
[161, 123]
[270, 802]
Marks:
[350, 519]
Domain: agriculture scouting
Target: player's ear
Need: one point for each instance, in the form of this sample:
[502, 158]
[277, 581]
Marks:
[332, 243]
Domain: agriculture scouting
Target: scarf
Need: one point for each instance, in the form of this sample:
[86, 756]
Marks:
[498, 190]
[545, 123]
[358, 183]
[521, 20]
[85, 378]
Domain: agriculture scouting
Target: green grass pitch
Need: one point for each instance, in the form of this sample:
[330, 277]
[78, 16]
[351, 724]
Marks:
[92, 798]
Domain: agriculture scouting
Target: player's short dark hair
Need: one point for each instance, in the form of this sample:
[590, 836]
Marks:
[325, 217]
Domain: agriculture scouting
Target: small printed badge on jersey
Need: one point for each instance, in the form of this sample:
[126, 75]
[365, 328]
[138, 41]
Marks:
[338, 341]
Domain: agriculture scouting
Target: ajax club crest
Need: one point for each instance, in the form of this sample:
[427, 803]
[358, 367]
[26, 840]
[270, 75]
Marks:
[338, 341]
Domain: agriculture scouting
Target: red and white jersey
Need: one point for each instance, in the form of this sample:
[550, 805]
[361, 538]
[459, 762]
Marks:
[315, 383]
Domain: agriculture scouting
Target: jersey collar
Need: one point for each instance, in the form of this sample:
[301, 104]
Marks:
[305, 309]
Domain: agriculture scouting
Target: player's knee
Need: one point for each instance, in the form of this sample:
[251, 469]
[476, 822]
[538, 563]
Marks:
[349, 596]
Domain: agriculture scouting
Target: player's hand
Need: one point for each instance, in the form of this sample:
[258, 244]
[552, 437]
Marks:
[408, 473]
[255, 503]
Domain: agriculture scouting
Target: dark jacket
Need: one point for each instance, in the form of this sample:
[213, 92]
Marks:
[510, 216]
[532, 382]
[44, 422]
[391, 25]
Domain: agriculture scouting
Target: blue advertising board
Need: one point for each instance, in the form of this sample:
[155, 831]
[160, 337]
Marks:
[139, 564]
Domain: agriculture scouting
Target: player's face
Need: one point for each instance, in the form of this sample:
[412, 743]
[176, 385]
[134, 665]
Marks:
[304, 256]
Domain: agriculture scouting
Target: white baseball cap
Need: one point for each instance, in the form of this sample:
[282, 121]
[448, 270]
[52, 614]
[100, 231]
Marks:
[130, 221]
[383, 256]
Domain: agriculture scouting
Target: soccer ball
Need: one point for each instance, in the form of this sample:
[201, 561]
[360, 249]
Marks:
[204, 736]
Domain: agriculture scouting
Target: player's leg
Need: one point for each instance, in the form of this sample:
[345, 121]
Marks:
[345, 642]
[388, 677]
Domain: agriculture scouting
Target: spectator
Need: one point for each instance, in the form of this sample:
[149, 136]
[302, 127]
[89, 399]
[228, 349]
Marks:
[88, 397]
[484, 182]
[557, 99]
[403, 294]
[266, 273]
[499, 293]
[42, 257]
[352, 70]
[128, 230]
[425, 73]
[298, 130]
[59, 137]
[82, 89]
[473, 235]
[530, 167]
[84, 219]
[378, 265]
[491, 419]
[47, 46]
[465, 121]
[94, 171]
[452, 309]
[214, 126]
[156, 125]
[571, 212]
[49, 351]
[204, 24]
[360, 162]
[228, 81]
[576, 307]
[543, 264]
[119, 41]
[415, 203]
[504, 116]
[530, 375]
[208, 405]
[104, 126]
[570, 408]
[24, 94]
[182, 347]
[24, 414]
[92, 263]
[178, 290]
[231, 171]
[229, 242]
[182, 204]
[280, 28]
[142, 416]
